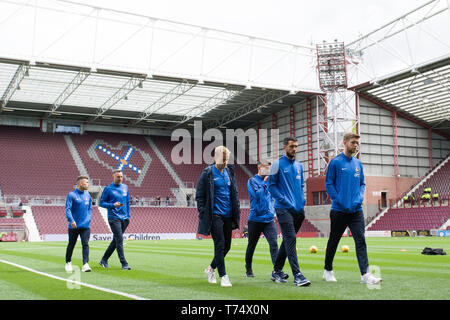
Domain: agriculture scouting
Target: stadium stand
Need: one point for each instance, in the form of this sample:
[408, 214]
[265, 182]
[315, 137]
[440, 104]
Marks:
[423, 218]
[3, 212]
[51, 159]
[17, 212]
[165, 145]
[52, 220]
[35, 163]
[439, 182]
[12, 221]
[163, 220]
[156, 180]
[191, 172]
[9, 224]
[9, 237]
[420, 215]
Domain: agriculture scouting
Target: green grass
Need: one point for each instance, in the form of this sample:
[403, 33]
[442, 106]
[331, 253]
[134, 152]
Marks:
[173, 269]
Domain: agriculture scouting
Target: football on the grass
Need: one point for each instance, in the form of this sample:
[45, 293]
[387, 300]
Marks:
[313, 249]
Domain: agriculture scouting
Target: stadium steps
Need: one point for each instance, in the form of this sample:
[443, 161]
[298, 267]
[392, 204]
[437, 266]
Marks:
[104, 214]
[413, 189]
[33, 232]
[425, 179]
[246, 170]
[76, 156]
[180, 195]
[445, 226]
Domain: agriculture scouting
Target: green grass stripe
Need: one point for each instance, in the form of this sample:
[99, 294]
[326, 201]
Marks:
[174, 269]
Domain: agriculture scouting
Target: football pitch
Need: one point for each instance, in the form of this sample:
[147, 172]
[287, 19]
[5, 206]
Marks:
[174, 270]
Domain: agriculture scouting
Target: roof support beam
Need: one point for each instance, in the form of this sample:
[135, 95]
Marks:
[120, 94]
[270, 97]
[216, 100]
[170, 96]
[69, 90]
[21, 72]
[422, 124]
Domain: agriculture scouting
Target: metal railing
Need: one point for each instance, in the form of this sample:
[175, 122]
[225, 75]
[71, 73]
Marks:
[34, 200]
[189, 184]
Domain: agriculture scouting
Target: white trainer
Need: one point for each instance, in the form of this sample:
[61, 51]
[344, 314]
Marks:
[86, 268]
[369, 278]
[329, 276]
[68, 267]
[225, 281]
[211, 274]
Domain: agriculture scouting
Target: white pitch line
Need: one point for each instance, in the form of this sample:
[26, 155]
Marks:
[131, 296]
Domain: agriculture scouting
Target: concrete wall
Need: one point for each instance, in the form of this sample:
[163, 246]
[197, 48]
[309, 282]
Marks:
[319, 216]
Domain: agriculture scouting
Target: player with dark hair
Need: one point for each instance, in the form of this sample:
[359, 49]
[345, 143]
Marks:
[116, 198]
[345, 185]
[286, 186]
[78, 214]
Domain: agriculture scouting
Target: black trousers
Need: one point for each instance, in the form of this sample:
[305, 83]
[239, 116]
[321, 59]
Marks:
[84, 234]
[290, 223]
[221, 230]
[118, 228]
[339, 222]
[255, 229]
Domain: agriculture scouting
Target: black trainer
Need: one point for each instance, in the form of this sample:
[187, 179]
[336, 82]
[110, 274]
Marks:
[277, 277]
[249, 273]
[300, 280]
[126, 267]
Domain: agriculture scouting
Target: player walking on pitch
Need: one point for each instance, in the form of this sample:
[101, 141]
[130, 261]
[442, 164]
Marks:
[261, 219]
[345, 185]
[218, 210]
[286, 186]
[116, 198]
[78, 214]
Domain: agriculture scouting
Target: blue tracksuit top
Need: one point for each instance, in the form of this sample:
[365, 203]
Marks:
[286, 184]
[79, 208]
[344, 183]
[222, 193]
[116, 193]
[261, 201]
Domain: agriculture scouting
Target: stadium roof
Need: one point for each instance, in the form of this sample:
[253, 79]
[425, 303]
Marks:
[46, 90]
[421, 93]
[142, 71]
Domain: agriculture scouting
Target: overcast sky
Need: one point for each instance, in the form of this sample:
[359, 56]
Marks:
[293, 21]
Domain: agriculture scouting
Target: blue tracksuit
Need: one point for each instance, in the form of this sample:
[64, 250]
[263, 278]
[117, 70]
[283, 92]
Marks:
[286, 184]
[344, 183]
[79, 208]
[116, 193]
[261, 201]
[222, 198]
